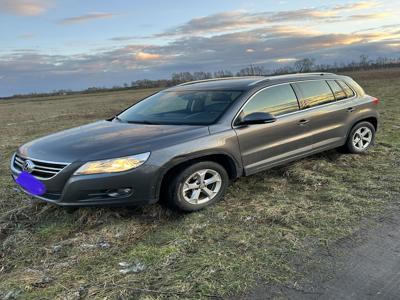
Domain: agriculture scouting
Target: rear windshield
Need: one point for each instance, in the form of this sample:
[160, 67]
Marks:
[181, 107]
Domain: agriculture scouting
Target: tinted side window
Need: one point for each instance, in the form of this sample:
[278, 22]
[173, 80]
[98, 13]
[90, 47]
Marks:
[349, 92]
[337, 90]
[276, 100]
[355, 87]
[315, 93]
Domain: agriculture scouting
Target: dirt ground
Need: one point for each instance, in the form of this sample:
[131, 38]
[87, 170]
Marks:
[365, 265]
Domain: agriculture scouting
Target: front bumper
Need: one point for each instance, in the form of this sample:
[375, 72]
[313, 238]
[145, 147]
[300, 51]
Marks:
[66, 189]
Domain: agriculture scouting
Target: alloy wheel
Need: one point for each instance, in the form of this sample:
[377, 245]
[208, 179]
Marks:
[202, 186]
[362, 138]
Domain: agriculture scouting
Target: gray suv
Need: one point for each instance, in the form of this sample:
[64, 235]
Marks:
[184, 144]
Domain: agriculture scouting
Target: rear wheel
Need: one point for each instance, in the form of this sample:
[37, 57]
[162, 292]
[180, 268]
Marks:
[361, 137]
[198, 186]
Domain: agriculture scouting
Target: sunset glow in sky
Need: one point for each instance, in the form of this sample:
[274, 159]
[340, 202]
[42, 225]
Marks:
[70, 44]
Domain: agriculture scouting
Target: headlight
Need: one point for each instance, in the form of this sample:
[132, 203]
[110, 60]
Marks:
[113, 165]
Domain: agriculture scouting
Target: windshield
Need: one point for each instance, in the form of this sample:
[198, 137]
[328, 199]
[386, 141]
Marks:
[183, 107]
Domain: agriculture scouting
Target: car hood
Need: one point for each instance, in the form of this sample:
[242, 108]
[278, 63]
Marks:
[108, 139]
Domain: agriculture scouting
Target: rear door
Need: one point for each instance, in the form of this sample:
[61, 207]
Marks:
[327, 107]
[265, 145]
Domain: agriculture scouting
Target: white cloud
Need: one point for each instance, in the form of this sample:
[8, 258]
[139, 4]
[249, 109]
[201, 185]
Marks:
[243, 20]
[147, 56]
[87, 17]
[25, 7]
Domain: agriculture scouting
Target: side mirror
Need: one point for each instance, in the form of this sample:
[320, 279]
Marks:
[257, 118]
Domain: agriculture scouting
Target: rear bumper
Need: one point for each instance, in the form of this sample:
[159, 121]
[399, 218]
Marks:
[93, 190]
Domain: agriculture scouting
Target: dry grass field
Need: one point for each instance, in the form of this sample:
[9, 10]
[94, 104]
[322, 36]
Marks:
[250, 238]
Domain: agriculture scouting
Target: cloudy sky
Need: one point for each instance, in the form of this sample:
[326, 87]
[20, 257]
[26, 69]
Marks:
[55, 44]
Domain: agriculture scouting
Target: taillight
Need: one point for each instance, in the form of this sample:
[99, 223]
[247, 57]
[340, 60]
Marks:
[375, 101]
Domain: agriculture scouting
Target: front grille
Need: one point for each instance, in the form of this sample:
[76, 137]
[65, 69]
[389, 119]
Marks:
[40, 169]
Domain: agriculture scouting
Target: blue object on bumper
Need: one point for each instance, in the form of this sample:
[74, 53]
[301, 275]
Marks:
[31, 184]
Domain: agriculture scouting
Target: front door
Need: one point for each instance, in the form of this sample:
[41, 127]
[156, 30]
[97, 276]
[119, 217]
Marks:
[265, 145]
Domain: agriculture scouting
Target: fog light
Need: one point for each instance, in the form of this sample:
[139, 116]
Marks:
[119, 192]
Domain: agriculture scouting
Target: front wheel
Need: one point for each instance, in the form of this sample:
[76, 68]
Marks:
[361, 137]
[198, 186]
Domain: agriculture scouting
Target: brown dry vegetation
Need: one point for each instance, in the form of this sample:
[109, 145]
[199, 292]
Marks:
[249, 238]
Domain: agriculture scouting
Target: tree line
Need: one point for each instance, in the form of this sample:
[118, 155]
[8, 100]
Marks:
[300, 66]
[303, 65]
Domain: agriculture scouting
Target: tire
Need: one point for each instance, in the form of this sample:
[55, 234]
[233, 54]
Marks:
[189, 190]
[363, 130]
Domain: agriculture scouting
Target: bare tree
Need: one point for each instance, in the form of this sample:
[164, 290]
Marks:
[181, 77]
[252, 70]
[201, 75]
[364, 61]
[222, 74]
[304, 65]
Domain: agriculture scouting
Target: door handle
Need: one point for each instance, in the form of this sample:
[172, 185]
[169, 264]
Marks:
[303, 122]
[351, 109]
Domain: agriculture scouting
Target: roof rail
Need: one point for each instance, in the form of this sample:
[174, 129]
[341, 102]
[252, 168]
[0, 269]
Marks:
[267, 78]
[314, 73]
[217, 79]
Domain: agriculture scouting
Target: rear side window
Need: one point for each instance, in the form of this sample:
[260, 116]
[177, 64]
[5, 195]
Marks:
[338, 92]
[315, 93]
[355, 87]
[349, 92]
[276, 100]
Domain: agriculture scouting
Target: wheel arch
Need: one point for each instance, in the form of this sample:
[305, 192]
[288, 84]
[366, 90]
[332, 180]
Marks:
[371, 119]
[231, 166]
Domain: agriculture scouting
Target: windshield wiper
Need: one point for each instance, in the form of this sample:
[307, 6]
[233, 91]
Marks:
[143, 122]
[117, 118]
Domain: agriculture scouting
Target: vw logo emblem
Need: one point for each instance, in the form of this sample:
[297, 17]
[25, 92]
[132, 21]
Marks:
[28, 166]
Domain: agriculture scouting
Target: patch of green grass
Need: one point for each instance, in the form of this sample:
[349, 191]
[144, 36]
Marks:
[54, 231]
[153, 255]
